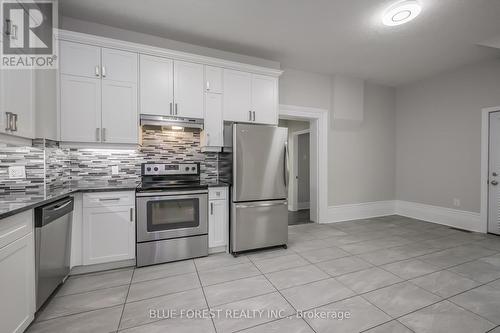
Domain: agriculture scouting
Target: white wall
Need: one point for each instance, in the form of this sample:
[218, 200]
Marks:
[439, 135]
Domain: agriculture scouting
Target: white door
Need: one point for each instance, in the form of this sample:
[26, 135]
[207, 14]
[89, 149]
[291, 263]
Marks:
[119, 112]
[213, 127]
[188, 89]
[119, 65]
[264, 99]
[494, 174]
[108, 234]
[213, 79]
[237, 98]
[17, 285]
[80, 109]
[217, 223]
[80, 59]
[156, 85]
[16, 97]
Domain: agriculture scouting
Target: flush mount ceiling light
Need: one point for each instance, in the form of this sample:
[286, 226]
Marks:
[401, 12]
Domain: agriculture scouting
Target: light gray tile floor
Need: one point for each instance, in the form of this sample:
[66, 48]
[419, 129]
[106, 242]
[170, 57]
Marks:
[391, 274]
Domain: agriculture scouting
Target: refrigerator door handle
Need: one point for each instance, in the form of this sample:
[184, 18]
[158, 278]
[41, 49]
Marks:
[285, 166]
[267, 204]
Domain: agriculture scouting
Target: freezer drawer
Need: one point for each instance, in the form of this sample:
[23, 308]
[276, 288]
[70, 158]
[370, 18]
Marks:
[258, 224]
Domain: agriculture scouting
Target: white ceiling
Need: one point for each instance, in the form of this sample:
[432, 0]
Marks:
[326, 36]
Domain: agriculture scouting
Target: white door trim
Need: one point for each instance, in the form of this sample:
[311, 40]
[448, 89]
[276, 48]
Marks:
[485, 138]
[319, 155]
[293, 195]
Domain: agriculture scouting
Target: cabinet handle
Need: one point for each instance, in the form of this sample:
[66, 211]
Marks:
[208, 139]
[211, 208]
[103, 71]
[254, 116]
[97, 134]
[8, 121]
[131, 215]
[250, 115]
[208, 85]
[8, 27]
[97, 71]
[13, 122]
[103, 134]
[171, 108]
[109, 199]
[176, 109]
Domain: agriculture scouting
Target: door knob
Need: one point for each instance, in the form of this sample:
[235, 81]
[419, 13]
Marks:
[494, 174]
[494, 183]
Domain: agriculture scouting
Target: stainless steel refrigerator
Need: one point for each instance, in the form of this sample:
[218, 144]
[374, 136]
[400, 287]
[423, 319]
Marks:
[259, 213]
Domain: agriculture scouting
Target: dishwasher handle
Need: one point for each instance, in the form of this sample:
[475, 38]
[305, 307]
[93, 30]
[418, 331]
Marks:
[51, 212]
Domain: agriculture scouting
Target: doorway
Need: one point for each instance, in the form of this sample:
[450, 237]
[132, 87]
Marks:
[299, 186]
[494, 174]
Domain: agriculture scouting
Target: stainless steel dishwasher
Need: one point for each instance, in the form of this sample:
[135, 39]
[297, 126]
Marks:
[52, 246]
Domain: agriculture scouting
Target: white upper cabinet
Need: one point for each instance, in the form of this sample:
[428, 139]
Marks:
[156, 85]
[16, 102]
[250, 97]
[188, 89]
[212, 135]
[264, 99]
[237, 100]
[98, 101]
[119, 66]
[119, 112]
[80, 109]
[80, 59]
[213, 79]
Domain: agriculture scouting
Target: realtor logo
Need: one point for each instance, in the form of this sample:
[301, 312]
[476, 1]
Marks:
[27, 34]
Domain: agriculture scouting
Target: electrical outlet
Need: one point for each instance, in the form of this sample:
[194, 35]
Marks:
[456, 202]
[114, 169]
[17, 172]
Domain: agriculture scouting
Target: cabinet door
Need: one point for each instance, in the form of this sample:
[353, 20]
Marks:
[264, 99]
[80, 59]
[237, 96]
[156, 85]
[108, 234]
[119, 65]
[213, 126]
[17, 285]
[16, 96]
[188, 89]
[213, 79]
[119, 112]
[80, 110]
[217, 223]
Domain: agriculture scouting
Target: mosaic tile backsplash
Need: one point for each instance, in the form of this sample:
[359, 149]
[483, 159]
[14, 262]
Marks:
[50, 167]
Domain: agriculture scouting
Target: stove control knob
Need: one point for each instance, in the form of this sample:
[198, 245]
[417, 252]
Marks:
[187, 168]
[156, 169]
[148, 169]
[193, 168]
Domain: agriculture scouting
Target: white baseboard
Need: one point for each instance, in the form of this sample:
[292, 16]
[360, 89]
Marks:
[359, 211]
[442, 215]
[303, 205]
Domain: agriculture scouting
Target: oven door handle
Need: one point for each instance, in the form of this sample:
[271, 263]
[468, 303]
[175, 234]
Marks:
[169, 194]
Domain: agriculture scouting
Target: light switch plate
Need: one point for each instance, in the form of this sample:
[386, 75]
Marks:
[17, 172]
[114, 169]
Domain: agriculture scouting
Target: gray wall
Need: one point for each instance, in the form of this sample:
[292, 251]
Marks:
[439, 135]
[361, 159]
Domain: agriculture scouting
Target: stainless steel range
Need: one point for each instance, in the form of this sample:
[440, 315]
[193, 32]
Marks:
[172, 214]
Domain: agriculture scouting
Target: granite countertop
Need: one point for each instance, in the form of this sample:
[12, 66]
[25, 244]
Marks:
[16, 203]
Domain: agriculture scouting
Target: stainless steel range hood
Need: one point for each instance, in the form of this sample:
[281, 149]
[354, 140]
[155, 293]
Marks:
[164, 121]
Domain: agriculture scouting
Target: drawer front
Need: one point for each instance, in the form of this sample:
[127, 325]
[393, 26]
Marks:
[15, 227]
[215, 193]
[107, 199]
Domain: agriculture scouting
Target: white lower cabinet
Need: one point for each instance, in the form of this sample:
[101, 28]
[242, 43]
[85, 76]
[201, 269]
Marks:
[17, 273]
[218, 217]
[108, 227]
